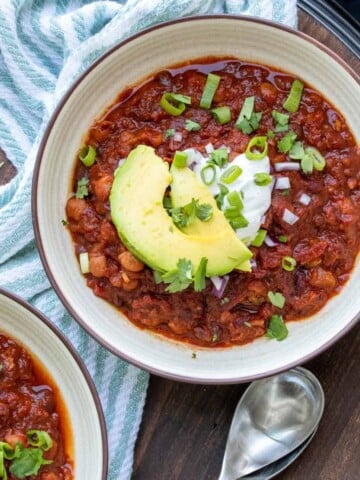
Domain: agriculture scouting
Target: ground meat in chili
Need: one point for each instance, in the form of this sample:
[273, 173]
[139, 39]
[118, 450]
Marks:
[324, 241]
[29, 402]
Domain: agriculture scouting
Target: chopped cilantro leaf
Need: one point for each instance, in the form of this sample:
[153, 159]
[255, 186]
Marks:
[180, 278]
[64, 222]
[179, 217]
[277, 328]
[286, 143]
[192, 126]
[199, 277]
[281, 121]
[184, 216]
[220, 196]
[248, 120]
[167, 204]
[204, 212]
[82, 188]
[277, 299]
[27, 461]
[170, 132]
[219, 157]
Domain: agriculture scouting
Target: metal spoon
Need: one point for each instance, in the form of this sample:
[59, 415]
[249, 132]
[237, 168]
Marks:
[273, 469]
[274, 417]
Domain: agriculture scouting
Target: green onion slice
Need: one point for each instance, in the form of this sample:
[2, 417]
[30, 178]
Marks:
[87, 155]
[172, 105]
[178, 97]
[211, 85]
[297, 151]
[317, 159]
[282, 239]
[259, 239]
[292, 102]
[208, 174]
[221, 114]
[247, 109]
[40, 439]
[262, 179]
[288, 263]
[277, 299]
[180, 159]
[306, 164]
[239, 222]
[231, 174]
[257, 148]
[234, 200]
[84, 262]
[192, 126]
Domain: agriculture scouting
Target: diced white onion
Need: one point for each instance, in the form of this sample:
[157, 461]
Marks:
[253, 263]
[219, 285]
[289, 217]
[121, 161]
[209, 148]
[305, 199]
[282, 166]
[84, 262]
[177, 137]
[217, 281]
[282, 183]
[269, 241]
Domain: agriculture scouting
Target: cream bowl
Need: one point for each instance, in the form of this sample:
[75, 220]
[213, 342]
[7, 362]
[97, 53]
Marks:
[48, 346]
[128, 64]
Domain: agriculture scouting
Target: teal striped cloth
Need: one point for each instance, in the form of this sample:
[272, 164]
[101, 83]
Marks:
[44, 46]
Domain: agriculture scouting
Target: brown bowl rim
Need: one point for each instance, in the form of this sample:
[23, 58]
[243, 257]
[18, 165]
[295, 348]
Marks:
[66, 342]
[52, 120]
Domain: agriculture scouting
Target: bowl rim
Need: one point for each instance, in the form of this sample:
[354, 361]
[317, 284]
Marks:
[66, 342]
[39, 157]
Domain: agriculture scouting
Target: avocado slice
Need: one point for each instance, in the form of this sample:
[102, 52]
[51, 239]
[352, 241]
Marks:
[144, 226]
[184, 184]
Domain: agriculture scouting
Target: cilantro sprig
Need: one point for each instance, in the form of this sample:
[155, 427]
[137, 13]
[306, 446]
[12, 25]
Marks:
[25, 461]
[181, 277]
[186, 215]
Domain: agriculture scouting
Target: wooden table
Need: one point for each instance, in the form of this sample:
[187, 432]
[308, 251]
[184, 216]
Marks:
[184, 426]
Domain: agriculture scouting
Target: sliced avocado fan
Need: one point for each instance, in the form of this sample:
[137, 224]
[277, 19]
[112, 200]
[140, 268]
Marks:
[147, 230]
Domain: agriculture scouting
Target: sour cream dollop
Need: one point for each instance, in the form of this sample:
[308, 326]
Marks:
[256, 198]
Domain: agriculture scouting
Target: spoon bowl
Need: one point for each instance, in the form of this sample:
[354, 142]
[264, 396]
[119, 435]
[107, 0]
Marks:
[274, 417]
[273, 469]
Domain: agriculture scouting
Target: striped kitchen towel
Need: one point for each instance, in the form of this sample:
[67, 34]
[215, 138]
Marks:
[44, 46]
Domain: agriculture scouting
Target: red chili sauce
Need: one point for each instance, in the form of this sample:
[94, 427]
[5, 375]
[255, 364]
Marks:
[30, 401]
[324, 241]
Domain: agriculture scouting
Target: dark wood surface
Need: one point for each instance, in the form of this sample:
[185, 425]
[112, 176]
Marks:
[184, 427]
